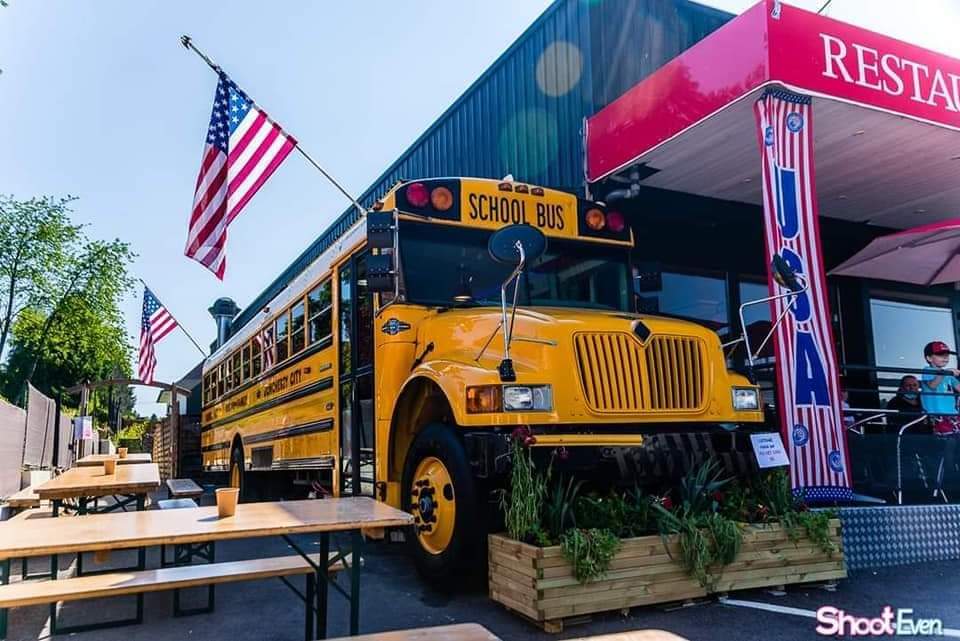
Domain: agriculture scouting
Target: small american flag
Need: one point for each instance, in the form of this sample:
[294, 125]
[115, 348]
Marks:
[265, 339]
[243, 149]
[155, 323]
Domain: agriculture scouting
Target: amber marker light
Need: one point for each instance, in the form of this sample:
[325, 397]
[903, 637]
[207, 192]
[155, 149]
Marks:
[595, 219]
[441, 198]
[483, 399]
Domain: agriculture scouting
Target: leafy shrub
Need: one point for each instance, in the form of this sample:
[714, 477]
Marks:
[590, 551]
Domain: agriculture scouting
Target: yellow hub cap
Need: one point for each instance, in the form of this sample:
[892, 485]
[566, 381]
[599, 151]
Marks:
[433, 505]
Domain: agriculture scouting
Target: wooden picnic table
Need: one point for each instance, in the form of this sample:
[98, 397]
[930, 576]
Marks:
[84, 483]
[91, 460]
[128, 530]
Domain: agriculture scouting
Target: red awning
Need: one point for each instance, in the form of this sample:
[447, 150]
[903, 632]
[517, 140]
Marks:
[886, 118]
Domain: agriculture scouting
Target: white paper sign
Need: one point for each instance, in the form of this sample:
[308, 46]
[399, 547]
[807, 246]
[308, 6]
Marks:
[83, 427]
[768, 448]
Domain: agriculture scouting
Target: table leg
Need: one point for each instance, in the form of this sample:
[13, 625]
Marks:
[142, 552]
[322, 588]
[356, 545]
[309, 602]
[4, 579]
[82, 505]
[56, 508]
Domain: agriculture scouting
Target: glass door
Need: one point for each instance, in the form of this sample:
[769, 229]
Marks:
[357, 436]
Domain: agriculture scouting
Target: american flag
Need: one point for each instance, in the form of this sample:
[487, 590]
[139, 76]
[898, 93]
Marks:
[812, 427]
[155, 323]
[243, 149]
[265, 340]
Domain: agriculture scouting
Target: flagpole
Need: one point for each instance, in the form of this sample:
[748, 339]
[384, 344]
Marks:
[187, 42]
[179, 325]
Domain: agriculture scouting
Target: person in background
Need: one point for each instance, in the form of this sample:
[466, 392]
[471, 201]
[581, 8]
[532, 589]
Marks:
[938, 389]
[906, 403]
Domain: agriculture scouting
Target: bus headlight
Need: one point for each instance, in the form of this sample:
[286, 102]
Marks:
[745, 399]
[518, 398]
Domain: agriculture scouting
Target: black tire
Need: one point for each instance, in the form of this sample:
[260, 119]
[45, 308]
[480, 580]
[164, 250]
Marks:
[464, 553]
[236, 462]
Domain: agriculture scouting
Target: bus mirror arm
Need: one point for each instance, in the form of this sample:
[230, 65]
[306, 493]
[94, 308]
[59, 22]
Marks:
[507, 373]
[792, 294]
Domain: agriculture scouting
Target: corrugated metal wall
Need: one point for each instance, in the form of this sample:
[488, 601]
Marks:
[525, 114]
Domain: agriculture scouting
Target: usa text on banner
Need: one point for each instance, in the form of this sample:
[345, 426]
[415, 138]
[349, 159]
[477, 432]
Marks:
[807, 382]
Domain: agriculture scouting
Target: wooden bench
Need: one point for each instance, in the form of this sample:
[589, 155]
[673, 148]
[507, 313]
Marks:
[24, 499]
[183, 489]
[458, 632]
[175, 504]
[94, 586]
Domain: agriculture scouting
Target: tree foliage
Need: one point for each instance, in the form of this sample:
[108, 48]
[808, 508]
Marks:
[35, 237]
[65, 324]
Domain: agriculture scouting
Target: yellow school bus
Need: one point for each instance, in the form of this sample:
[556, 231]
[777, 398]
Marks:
[398, 363]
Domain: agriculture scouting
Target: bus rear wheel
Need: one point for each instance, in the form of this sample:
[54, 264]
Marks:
[440, 491]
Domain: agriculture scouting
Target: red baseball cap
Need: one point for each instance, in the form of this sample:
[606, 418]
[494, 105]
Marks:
[937, 347]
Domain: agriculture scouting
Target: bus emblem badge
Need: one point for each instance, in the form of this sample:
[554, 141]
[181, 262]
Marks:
[394, 326]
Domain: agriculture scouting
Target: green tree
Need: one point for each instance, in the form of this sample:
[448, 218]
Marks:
[35, 240]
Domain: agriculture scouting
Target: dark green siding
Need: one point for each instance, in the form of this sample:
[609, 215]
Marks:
[524, 115]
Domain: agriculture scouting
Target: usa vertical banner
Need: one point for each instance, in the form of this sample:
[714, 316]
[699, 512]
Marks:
[808, 384]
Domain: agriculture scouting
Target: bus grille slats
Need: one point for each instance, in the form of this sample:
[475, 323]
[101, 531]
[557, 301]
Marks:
[619, 375]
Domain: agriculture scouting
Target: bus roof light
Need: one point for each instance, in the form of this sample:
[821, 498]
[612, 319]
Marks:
[536, 191]
[595, 219]
[615, 221]
[521, 189]
[417, 195]
[505, 187]
[441, 198]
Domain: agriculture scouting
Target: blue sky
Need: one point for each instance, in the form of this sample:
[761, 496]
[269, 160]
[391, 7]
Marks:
[98, 100]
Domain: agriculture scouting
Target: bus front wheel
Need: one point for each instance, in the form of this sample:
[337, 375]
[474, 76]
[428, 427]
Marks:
[440, 491]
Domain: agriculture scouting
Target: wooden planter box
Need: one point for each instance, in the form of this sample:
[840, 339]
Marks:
[539, 582]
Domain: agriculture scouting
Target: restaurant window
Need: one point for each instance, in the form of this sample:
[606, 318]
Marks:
[756, 317]
[297, 332]
[255, 356]
[282, 325]
[901, 329]
[692, 296]
[320, 313]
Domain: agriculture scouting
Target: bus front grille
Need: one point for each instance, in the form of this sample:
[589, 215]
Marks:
[619, 375]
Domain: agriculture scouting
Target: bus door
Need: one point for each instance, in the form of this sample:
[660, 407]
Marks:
[357, 438]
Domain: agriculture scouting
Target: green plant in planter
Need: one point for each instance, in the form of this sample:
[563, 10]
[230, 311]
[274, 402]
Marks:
[706, 537]
[522, 505]
[558, 510]
[780, 504]
[589, 551]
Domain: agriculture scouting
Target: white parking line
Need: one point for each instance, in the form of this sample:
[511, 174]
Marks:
[800, 612]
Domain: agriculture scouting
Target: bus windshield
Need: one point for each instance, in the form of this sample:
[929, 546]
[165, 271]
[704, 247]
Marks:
[440, 262]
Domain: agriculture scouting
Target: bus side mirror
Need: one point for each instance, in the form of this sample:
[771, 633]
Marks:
[382, 236]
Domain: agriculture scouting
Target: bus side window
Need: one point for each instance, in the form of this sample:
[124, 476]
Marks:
[256, 359]
[320, 313]
[246, 362]
[224, 384]
[297, 332]
[283, 323]
[235, 369]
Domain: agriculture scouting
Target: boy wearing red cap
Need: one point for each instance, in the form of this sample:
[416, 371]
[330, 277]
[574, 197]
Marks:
[939, 384]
